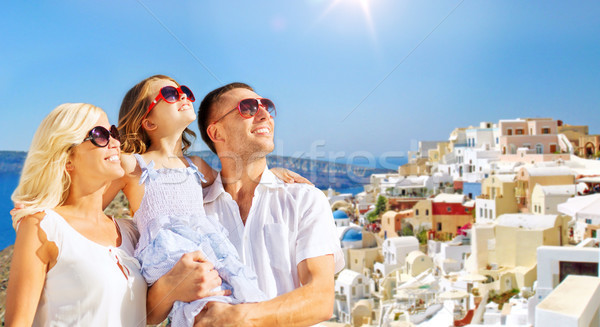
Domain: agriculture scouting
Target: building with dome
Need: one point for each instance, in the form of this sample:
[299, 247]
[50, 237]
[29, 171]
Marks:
[359, 246]
[341, 218]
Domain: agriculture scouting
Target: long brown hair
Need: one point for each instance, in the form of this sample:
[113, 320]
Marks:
[135, 139]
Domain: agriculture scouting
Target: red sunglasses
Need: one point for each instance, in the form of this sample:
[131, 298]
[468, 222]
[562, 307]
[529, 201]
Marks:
[171, 94]
[249, 107]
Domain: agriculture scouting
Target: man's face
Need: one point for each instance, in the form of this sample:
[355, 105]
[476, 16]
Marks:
[244, 137]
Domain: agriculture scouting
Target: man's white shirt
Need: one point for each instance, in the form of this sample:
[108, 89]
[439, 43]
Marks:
[287, 223]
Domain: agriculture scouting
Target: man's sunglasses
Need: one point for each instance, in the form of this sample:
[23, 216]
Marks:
[171, 94]
[249, 107]
[100, 136]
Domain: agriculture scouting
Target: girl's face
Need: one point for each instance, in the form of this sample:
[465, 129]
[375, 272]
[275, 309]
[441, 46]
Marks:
[96, 164]
[181, 112]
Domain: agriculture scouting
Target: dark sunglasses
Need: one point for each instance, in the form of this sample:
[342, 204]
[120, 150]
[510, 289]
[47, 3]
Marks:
[100, 136]
[249, 107]
[171, 94]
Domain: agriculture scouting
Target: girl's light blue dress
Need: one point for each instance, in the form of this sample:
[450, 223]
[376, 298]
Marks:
[171, 221]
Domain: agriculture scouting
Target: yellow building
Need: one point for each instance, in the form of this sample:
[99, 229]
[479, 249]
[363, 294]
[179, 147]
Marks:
[417, 167]
[417, 262]
[509, 254]
[392, 222]
[361, 259]
[528, 177]
[435, 155]
[422, 214]
[497, 197]
[573, 133]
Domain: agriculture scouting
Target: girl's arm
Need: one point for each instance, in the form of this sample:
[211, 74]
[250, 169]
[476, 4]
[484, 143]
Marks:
[128, 164]
[33, 256]
[284, 174]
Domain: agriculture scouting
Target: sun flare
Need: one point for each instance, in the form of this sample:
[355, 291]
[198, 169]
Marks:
[365, 6]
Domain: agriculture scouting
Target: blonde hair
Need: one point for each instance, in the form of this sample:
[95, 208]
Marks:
[135, 139]
[45, 182]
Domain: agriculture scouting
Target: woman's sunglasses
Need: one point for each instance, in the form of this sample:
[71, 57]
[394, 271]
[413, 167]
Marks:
[249, 107]
[171, 94]
[100, 136]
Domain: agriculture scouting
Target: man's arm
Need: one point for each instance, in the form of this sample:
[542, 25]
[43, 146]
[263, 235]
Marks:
[192, 278]
[307, 305]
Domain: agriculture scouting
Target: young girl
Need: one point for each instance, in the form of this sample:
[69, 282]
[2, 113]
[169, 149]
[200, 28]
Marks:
[72, 264]
[164, 188]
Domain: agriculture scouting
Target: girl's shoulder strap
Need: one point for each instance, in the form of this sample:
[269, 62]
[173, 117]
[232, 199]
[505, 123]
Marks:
[194, 169]
[140, 160]
[147, 169]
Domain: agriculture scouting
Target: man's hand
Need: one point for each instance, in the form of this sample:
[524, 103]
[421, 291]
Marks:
[220, 314]
[193, 277]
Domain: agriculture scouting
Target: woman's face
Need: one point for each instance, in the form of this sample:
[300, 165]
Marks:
[96, 164]
[180, 112]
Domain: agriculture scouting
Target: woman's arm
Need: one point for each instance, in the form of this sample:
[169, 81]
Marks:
[289, 176]
[33, 256]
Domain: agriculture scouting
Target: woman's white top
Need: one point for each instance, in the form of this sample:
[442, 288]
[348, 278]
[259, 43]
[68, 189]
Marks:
[87, 286]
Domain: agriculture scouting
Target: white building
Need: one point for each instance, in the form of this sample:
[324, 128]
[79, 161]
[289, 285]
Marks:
[585, 210]
[341, 218]
[545, 199]
[574, 302]
[394, 251]
[449, 256]
[350, 287]
[554, 263]
[487, 136]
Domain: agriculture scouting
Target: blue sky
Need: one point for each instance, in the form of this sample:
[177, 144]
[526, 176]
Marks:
[348, 77]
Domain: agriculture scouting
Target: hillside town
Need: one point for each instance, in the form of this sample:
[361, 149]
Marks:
[495, 226]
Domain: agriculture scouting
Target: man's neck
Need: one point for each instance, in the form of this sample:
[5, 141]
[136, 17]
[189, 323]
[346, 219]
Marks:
[240, 178]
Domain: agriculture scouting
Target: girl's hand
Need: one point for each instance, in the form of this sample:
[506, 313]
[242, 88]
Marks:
[289, 176]
[18, 206]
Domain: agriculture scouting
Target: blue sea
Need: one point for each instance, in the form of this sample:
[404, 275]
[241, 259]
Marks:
[8, 183]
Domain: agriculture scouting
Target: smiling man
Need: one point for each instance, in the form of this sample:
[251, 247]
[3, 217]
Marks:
[285, 232]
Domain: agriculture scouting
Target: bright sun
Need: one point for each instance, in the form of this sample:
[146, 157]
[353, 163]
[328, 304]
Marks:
[364, 4]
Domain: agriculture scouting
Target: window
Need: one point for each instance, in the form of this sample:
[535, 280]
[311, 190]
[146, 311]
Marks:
[417, 212]
[353, 290]
[509, 131]
[448, 209]
[466, 210]
[519, 131]
[588, 221]
[439, 227]
[426, 212]
[545, 130]
[481, 212]
[497, 141]
[539, 148]
[360, 280]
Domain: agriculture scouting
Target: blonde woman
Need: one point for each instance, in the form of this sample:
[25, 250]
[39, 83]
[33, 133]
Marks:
[72, 264]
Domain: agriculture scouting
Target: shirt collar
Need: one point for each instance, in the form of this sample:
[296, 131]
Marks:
[267, 179]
